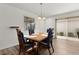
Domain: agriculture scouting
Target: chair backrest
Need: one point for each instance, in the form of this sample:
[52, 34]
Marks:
[50, 35]
[20, 38]
[50, 32]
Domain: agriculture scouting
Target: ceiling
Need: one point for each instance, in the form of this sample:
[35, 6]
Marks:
[48, 9]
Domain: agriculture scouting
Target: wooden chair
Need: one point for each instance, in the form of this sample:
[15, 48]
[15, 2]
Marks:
[48, 41]
[24, 46]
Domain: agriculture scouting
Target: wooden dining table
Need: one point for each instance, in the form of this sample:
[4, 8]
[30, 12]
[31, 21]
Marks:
[38, 37]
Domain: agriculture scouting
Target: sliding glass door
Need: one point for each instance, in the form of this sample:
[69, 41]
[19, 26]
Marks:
[62, 27]
[68, 28]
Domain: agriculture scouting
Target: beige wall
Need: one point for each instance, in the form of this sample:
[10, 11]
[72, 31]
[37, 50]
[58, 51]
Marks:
[11, 16]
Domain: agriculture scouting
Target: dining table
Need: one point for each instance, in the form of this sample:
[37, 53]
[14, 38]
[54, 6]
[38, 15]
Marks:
[37, 37]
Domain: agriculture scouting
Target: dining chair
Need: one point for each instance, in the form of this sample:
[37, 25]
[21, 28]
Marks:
[24, 46]
[48, 42]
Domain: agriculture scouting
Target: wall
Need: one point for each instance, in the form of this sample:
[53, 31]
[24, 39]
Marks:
[11, 16]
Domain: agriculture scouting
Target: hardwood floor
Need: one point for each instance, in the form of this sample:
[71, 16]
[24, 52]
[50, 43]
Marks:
[61, 47]
[66, 47]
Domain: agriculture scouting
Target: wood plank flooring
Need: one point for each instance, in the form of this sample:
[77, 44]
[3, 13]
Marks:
[66, 47]
[61, 47]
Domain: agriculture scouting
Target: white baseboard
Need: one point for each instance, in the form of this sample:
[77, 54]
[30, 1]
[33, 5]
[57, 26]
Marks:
[68, 38]
[9, 46]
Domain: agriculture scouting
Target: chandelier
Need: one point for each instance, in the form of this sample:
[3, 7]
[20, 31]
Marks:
[41, 15]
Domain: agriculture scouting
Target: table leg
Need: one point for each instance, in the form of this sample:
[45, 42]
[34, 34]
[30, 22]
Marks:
[37, 49]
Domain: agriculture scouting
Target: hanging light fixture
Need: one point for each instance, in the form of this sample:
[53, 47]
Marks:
[41, 15]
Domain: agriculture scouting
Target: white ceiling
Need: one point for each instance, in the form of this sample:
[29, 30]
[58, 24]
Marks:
[49, 9]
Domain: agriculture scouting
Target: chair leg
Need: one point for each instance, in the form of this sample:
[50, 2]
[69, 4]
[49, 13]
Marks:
[19, 51]
[52, 47]
[23, 52]
[49, 51]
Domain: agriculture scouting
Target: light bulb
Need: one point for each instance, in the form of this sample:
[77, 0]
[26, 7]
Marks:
[44, 18]
[39, 18]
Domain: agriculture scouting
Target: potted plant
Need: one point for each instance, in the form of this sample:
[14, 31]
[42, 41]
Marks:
[70, 34]
[61, 33]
